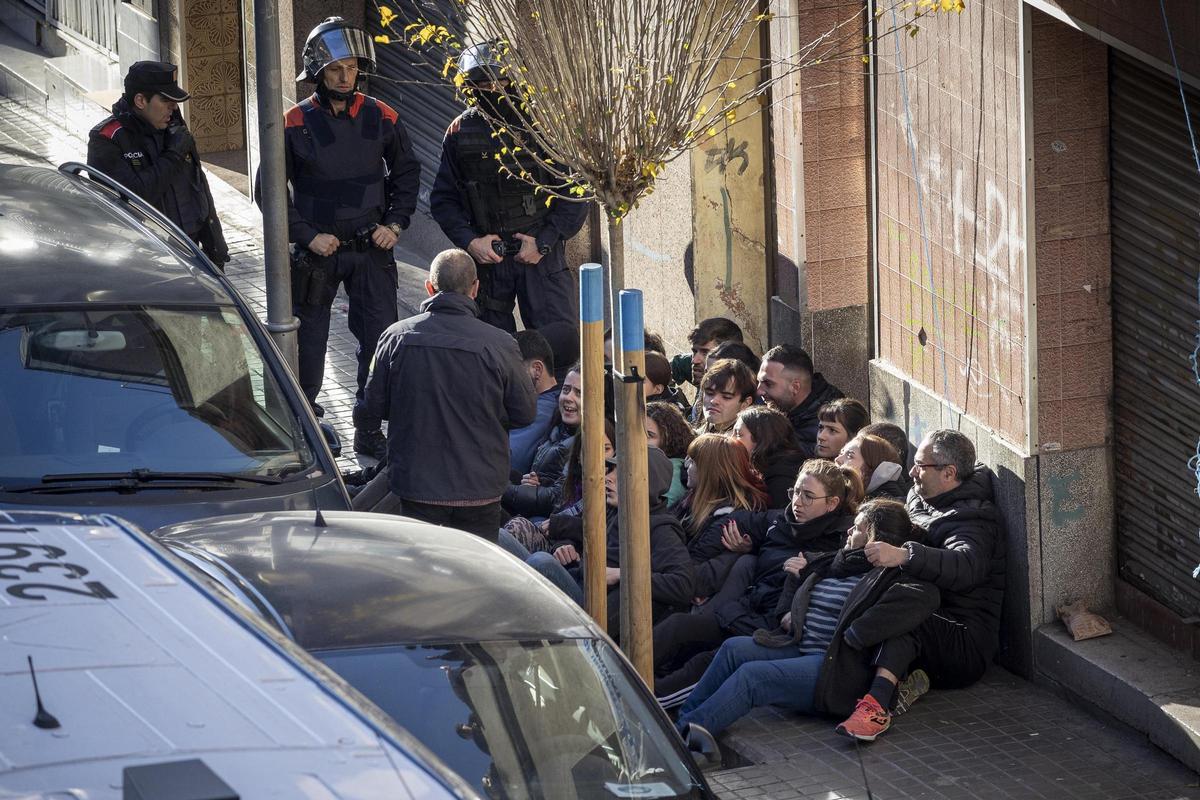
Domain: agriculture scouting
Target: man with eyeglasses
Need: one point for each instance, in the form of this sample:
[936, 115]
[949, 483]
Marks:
[963, 555]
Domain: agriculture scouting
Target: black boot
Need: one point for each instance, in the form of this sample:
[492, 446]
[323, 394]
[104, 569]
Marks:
[370, 443]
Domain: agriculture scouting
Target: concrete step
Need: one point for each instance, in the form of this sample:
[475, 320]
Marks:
[1131, 676]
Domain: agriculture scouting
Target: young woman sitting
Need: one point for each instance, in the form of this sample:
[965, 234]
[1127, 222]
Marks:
[770, 439]
[720, 482]
[877, 462]
[668, 430]
[838, 422]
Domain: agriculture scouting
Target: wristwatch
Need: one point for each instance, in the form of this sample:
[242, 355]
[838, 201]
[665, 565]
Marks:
[544, 249]
[394, 227]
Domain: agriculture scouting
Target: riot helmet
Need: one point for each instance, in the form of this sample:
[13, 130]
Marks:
[333, 40]
[480, 63]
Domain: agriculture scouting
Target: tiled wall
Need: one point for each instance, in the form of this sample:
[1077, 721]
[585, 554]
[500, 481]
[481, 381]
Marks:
[213, 43]
[964, 339]
[1071, 202]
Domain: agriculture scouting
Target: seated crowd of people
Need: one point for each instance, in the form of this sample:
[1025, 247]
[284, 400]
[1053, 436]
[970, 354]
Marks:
[797, 559]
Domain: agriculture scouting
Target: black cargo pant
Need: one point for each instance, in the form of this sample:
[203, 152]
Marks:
[545, 291]
[370, 280]
[483, 521]
[943, 647]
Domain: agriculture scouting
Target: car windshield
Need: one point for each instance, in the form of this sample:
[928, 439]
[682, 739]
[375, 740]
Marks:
[140, 389]
[541, 719]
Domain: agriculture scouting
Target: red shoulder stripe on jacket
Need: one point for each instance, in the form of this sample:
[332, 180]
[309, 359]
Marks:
[294, 118]
[110, 130]
[389, 113]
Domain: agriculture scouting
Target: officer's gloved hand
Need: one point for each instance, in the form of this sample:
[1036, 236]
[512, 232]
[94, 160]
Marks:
[179, 140]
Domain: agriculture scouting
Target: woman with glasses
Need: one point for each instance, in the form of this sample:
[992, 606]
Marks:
[819, 660]
[824, 500]
[770, 439]
[877, 463]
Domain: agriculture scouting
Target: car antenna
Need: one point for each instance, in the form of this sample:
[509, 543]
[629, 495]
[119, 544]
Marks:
[43, 719]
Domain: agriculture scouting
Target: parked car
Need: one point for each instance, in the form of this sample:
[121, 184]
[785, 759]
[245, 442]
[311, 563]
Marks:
[500, 674]
[134, 379]
[124, 674]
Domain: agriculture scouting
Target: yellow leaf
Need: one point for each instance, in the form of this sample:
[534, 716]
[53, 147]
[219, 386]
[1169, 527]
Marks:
[730, 116]
[383, 39]
[549, 200]
[386, 16]
[866, 59]
[459, 79]
[731, 85]
[445, 68]
[711, 131]
[670, 79]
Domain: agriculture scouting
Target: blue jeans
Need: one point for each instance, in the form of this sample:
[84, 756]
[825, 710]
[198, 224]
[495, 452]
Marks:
[745, 675]
[510, 543]
[556, 573]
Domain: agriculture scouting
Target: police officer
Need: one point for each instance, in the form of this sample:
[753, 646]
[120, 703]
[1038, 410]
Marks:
[146, 146]
[354, 183]
[499, 219]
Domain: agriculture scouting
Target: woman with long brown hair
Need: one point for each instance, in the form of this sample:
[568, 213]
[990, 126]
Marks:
[770, 439]
[877, 462]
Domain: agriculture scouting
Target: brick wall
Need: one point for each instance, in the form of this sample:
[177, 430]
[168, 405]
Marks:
[1071, 202]
[820, 165]
[963, 96]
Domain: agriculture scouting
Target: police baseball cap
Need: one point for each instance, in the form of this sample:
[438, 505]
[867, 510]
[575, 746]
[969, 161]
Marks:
[154, 77]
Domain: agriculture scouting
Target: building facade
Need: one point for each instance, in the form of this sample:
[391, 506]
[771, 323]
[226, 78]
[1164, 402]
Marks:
[997, 229]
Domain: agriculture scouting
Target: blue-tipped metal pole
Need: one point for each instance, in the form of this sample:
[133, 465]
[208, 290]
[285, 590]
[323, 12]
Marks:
[591, 357]
[633, 505]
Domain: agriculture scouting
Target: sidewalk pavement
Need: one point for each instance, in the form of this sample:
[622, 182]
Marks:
[1003, 738]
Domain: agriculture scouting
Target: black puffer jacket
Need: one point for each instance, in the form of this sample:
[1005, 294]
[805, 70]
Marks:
[780, 475]
[804, 416]
[777, 537]
[963, 554]
[549, 462]
[710, 559]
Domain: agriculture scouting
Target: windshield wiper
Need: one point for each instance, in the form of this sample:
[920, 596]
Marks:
[138, 479]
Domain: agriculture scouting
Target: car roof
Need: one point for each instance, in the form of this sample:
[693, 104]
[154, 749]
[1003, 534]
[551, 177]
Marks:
[371, 579]
[159, 670]
[65, 239]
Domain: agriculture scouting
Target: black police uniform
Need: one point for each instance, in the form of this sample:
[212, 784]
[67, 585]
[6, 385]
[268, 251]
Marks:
[474, 197]
[348, 172]
[162, 167]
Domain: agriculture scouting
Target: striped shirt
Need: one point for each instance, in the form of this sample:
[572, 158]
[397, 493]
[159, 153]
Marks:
[824, 607]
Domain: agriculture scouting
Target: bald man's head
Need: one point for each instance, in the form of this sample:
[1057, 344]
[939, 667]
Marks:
[453, 271]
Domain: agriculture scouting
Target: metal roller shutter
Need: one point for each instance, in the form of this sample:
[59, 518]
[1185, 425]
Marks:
[1155, 255]
[423, 99]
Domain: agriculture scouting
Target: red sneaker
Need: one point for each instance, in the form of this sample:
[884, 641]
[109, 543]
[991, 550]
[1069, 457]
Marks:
[867, 722]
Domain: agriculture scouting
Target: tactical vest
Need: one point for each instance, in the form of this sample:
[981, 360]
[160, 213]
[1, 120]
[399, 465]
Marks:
[185, 202]
[343, 176]
[509, 204]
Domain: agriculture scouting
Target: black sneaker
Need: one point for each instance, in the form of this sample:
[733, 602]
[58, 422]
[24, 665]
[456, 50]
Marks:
[318, 409]
[370, 443]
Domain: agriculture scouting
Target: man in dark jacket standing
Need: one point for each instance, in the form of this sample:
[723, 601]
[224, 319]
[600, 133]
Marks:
[451, 387]
[963, 555]
[787, 382]
[146, 146]
[353, 188]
